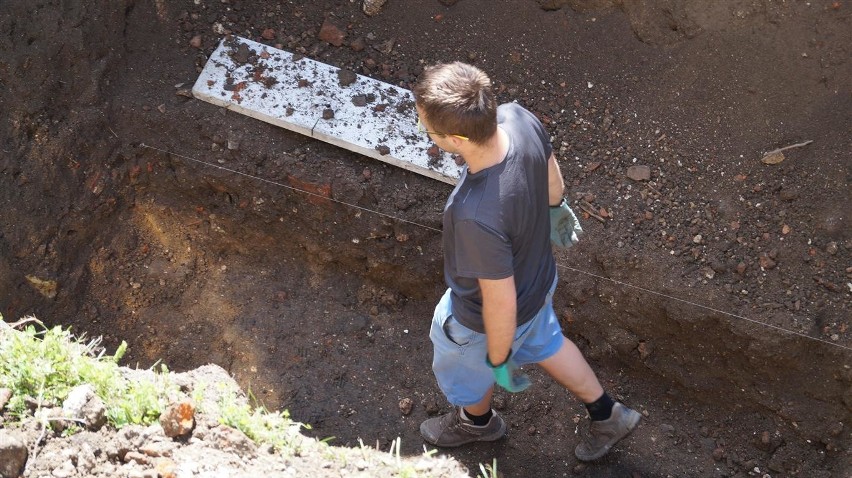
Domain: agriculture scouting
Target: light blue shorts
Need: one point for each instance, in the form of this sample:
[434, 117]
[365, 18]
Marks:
[459, 360]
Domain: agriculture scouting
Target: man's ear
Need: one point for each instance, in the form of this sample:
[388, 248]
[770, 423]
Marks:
[456, 142]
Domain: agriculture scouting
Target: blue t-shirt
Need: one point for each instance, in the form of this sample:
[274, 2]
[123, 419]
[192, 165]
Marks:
[497, 223]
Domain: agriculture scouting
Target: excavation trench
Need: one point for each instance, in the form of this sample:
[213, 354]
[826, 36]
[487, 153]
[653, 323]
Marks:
[310, 273]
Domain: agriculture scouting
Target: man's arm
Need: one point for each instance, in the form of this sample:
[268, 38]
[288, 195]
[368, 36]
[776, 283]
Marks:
[555, 183]
[499, 314]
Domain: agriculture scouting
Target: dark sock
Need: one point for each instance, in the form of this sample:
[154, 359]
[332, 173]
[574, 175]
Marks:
[600, 409]
[479, 420]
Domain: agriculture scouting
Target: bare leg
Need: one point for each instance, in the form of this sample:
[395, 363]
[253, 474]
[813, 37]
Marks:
[483, 406]
[570, 369]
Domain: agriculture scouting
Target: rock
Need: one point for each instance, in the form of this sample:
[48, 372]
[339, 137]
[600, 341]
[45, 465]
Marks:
[86, 459]
[331, 34]
[774, 158]
[166, 468]
[46, 288]
[230, 439]
[592, 166]
[373, 7]
[383, 150]
[406, 405]
[65, 470]
[644, 350]
[788, 195]
[83, 404]
[607, 122]
[136, 457]
[835, 429]
[719, 453]
[358, 44]
[832, 248]
[431, 406]
[268, 34]
[178, 419]
[386, 47]
[234, 141]
[327, 114]
[667, 429]
[346, 77]
[242, 54]
[551, 5]
[639, 173]
[5, 395]
[766, 262]
[13, 455]
[157, 449]
[434, 152]
[195, 42]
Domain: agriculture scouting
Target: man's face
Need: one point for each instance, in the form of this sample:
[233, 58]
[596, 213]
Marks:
[443, 141]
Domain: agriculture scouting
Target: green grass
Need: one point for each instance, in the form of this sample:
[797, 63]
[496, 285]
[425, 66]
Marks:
[261, 425]
[42, 365]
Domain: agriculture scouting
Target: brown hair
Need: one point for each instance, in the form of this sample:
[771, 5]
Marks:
[457, 99]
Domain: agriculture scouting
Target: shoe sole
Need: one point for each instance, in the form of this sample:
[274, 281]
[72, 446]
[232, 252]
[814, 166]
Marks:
[637, 417]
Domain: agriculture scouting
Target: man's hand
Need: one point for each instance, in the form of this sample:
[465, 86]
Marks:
[509, 376]
[565, 229]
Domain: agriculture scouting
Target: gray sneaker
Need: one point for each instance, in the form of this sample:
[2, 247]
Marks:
[603, 434]
[454, 430]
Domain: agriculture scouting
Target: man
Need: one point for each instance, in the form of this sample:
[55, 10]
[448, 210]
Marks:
[498, 263]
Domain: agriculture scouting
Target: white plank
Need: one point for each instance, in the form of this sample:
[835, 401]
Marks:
[293, 92]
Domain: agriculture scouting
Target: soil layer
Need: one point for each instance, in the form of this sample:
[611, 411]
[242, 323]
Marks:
[711, 292]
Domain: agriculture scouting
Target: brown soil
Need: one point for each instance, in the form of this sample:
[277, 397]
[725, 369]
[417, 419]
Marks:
[740, 357]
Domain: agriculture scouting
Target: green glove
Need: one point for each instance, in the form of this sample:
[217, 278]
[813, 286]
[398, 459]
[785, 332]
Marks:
[509, 376]
[565, 229]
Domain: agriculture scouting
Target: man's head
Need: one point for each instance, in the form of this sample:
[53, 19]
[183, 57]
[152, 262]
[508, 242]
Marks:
[455, 101]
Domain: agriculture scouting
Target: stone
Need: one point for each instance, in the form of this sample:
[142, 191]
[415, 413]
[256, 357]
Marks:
[229, 439]
[639, 173]
[766, 262]
[195, 42]
[166, 468]
[346, 77]
[832, 248]
[406, 405]
[373, 7]
[5, 395]
[268, 34]
[358, 44]
[83, 404]
[13, 455]
[331, 34]
[178, 419]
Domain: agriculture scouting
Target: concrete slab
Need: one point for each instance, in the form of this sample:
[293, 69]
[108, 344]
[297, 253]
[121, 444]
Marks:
[352, 111]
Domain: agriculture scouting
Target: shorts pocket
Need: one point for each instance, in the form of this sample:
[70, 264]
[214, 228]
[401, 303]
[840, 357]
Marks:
[457, 333]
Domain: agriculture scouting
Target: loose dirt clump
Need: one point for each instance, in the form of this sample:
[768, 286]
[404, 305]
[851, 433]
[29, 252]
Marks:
[711, 290]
